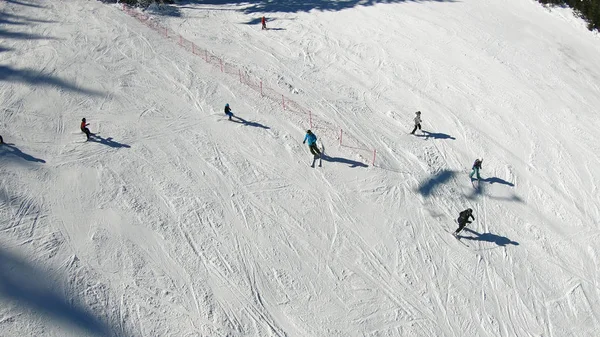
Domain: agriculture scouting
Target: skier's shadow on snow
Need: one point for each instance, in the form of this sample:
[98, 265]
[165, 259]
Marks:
[8, 148]
[352, 163]
[479, 190]
[493, 180]
[489, 237]
[427, 135]
[249, 123]
[106, 141]
[27, 287]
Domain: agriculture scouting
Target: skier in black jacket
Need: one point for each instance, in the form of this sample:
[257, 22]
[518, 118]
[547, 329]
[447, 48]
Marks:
[463, 220]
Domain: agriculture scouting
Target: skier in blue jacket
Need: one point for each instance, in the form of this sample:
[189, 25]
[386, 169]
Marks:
[312, 143]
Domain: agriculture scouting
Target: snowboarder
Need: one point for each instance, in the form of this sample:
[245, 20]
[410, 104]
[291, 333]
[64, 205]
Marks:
[417, 122]
[228, 111]
[476, 168]
[84, 128]
[463, 220]
[312, 143]
[263, 21]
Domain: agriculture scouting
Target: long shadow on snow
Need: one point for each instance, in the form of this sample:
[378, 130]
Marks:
[24, 18]
[10, 149]
[27, 286]
[32, 77]
[479, 190]
[249, 123]
[427, 187]
[107, 141]
[434, 135]
[493, 180]
[350, 162]
[4, 49]
[15, 2]
[282, 6]
[23, 36]
[488, 237]
[4, 21]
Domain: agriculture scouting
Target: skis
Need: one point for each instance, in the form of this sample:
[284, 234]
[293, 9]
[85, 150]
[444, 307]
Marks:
[457, 237]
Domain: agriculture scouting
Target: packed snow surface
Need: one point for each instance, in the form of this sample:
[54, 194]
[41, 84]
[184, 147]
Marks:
[173, 221]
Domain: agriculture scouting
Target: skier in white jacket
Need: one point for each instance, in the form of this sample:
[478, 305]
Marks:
[417, 122]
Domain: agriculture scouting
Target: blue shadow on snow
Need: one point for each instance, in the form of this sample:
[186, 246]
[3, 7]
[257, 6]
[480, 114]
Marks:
[106, 141]
[427, 187]
[11, 149]
[27, 287]
[434, 135]
[489, 237]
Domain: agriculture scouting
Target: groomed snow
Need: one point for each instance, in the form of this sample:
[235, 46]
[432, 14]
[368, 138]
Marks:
[176, 222]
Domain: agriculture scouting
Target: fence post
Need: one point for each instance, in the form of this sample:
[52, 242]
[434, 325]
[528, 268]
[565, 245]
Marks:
[193, 48]
[180, 40]
[310, 118]
[341, 132]
[374, 152]
[221, 60]
[283, 102]
[240, 72]
[261, 93]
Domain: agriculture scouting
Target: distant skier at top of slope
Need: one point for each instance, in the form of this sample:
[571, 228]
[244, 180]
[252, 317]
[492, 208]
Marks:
[263, 21]
[476, 168]
[418, 121]
[312, 143]
[463, 220]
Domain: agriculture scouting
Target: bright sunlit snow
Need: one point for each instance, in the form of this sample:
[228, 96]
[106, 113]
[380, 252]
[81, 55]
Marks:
[174, 221]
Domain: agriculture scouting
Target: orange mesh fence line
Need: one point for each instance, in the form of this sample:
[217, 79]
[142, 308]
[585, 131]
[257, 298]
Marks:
[323, 127]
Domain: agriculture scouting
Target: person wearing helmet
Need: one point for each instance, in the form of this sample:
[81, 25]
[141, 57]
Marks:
[418, 121]
[228, 111]
[476, 168]
[463, 220]
[312, 143]
[84, 128]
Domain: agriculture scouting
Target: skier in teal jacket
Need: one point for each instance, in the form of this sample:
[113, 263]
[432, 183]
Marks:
[312, 143]
[476, 168]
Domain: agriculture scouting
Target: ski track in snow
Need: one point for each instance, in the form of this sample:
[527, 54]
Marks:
[177, 222]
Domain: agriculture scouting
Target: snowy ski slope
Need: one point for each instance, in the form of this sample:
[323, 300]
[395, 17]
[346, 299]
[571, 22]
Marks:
[177, 222]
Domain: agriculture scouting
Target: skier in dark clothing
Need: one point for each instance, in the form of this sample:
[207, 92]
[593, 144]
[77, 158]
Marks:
[418, 121]
[463, 220]
[312, 143]
[228, 111]
[84, 128]
[476, 168]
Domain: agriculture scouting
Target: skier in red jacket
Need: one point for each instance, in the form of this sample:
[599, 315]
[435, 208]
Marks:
[263, 20]
[84, 128]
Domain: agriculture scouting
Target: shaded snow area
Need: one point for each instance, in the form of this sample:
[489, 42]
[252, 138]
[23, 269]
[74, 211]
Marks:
[174, 221]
